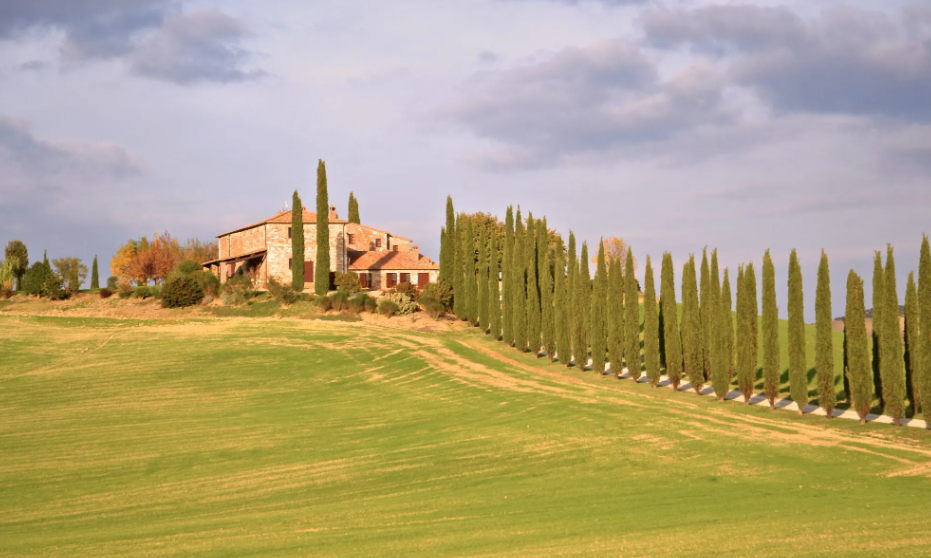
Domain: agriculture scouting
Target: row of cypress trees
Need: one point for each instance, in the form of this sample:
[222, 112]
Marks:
[521, 284]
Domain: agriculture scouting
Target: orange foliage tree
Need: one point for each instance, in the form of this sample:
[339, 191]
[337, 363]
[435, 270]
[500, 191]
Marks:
[143, 260]
[616, 249]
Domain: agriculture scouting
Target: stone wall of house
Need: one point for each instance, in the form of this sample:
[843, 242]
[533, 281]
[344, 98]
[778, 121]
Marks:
[279, 249]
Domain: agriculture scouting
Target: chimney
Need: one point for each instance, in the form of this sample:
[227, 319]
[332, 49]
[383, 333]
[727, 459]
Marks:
[333, 212]
[415, 249]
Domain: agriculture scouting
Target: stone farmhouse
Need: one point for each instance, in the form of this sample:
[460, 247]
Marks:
[263, 250]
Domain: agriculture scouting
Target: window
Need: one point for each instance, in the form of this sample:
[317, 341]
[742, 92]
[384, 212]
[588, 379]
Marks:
[405, 277]
[378, 243]
[289, 232]
[391, 279]
[289, 263]
[395, 247]
[352, 238]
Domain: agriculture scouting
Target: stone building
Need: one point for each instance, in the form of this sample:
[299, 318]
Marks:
[262, 250]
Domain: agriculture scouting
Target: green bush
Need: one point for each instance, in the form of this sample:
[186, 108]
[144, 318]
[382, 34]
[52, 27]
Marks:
[188, 266]
[433, 307]
[361, 303]
[407, 288]
[284, 294]
[387, 307]
[142, 292]
[208, 282]
[113, 283]
[323, 302]
[348, 282]
[36, 277]
[440, 291]
[237, 290]
[404, 303]
[339, 301]
[181, 291]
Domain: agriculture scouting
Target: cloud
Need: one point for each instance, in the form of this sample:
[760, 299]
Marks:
[583, 100]
[156, 38]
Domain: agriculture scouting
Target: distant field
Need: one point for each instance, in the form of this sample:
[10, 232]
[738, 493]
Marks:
[275, 437]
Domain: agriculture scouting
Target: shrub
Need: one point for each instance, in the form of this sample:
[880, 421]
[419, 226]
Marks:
[284, 294]
[441, 291]
[142, 292]
[387, 307]
[105, 293]
[125, 290]
[323, 302]
[181, 291]
[237, 290]
[361, 303]
[36, 277]
[433, 307]
[113, 283]
[188, 266]
[339, 301]
[348, 282]
[208, 282]
[407, 288]
[405, 305]
[369, 304]
[5, 292]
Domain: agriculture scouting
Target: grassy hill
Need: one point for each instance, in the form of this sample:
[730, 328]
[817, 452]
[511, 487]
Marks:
[276, 437]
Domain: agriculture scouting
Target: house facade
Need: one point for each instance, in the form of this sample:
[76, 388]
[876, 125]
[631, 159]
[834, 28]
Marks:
[263, 250]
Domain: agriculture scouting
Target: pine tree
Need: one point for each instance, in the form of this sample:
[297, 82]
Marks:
[95, 276]
[924, 327]
[858, 354]
[583, 287]
[670, 322]
[824, 350]
[507, 283]
[892, 365]
[650, 327]
[545, 278]
[691, 327]
[727, 303]
[599, 305]
[322, 264]
[297, 243]
[798, 373]
[519, 292]
[631, 319]
[471, 286]
[877, 329]
[534, 313]
[615, 316]
[572, 274]
[482, 280]
[354, 209]
[561, 305]
[912, 350]
[448, 245]
[719, 378]
[770, 332]
[704, 314]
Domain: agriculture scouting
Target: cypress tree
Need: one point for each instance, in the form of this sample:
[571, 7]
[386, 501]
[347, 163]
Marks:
[534, 313]
[561, 305]
[798, 373]
[354, 210]
[728, 302]
[599, 305]
[297, 243]
[322, 265]
[631, 319]
[744, 366]
[615, 316]
[877, 329]
[753, 314]
[95, 277]
[924, 327]
[912, 350]
[545, 278]
[482, 280]
[892, 365]
[691, 327]
[824, 349]
[770, 332]
[650, 327]
[572, 274]
[583, 287]
[858, 354]
[519, 288]
[458, 247]
[448, 245]
[494, 292]
[471, 285]
[670, 322]
[507, 310]
[719, 377]
[704, 314]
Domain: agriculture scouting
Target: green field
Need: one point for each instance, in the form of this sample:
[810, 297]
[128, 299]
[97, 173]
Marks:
[248, 437]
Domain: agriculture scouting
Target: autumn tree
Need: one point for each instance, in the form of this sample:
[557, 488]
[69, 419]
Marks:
[670, 322]
[297, 243]
[824, 347]
[616, 249]
[858, 358]
[770, 332]
[322, 264]
[651, 331]
[798, 370]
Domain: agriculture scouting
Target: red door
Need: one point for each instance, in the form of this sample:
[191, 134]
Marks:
[422, 280]
[364, 280]
[308, 272]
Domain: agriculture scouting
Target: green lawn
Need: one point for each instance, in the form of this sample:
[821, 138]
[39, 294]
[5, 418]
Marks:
[276, 437]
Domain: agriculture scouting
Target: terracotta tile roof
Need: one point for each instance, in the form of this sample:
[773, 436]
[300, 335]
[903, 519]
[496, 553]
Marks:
[392, 260]
[381, 231]
[284, 217]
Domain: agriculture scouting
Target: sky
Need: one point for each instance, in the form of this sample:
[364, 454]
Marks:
[674, 124]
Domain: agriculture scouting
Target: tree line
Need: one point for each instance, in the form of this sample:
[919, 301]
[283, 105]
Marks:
[522, 284]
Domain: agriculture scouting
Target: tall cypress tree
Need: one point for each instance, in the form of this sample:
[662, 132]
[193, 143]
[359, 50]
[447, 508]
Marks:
[561, 305]
[95, 276]
[691, 327]
[519, 288]
[471, 285]
[824, 349]
[354, 209]
[728, 305]
[892, 365]
[507, 310]
[912, 350]
[650, 327]
[770, 332]
[631, 319]
[705, 314]
[482, 279]
[798, 371]
[494, 287]
[719, 378]
[877, 329]
[545, 278]
[615, 316]
[534, 313]
[858, 354]
[297, 243]
[671, 322]
[744, 366]
[753, 304]
[583, 287]
[599, 305]
[448, 245]
[924, 327]
[322, 265]
[572, 274]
